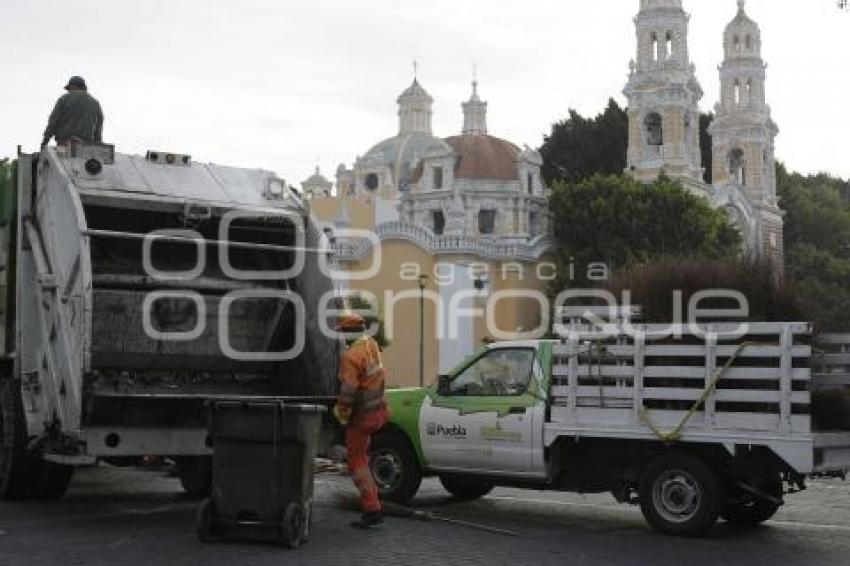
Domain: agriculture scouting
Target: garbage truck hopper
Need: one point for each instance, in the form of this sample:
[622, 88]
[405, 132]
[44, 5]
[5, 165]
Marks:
[138, 288]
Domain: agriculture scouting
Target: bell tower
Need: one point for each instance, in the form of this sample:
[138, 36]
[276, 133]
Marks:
[663, 97]
[743, 133]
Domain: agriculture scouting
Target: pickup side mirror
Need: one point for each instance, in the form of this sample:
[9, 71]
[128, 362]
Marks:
[444, 385]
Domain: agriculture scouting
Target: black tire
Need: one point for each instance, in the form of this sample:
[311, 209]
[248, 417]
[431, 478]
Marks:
[466, 488]
[747, 510]
[14, 460]
[49, 480]
[204, 522]
[679, 495]
[394, 467]
[195, 473]
[293, 525]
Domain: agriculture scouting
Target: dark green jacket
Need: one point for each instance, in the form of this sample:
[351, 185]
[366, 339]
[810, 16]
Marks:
[77, 114]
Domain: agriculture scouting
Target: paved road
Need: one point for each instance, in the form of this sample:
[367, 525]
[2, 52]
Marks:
[131, 516]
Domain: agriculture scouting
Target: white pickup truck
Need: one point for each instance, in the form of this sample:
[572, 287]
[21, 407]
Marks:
[709, 424]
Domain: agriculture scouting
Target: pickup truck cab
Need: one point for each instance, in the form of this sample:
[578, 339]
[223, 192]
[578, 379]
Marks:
[659, 424]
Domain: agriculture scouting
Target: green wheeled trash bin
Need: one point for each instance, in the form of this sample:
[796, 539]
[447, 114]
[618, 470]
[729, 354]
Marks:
[263, 454]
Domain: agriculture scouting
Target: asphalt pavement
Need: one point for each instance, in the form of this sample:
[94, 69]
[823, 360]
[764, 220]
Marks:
[140, 516]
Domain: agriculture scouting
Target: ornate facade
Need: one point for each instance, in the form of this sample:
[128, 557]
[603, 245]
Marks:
[469, 212]
[664, 94]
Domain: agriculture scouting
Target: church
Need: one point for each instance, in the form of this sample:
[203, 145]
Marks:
[458, 247]
[663, 96]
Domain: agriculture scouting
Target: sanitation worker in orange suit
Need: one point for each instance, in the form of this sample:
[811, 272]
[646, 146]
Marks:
[362, 409]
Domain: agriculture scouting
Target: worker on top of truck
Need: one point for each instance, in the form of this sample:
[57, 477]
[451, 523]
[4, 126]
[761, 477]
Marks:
[362, 409]
[76, 115]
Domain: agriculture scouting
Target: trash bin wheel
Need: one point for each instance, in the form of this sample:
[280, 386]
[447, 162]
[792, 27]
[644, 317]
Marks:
[195, 473]
[293, 525]
[308, 521]
[204, 522]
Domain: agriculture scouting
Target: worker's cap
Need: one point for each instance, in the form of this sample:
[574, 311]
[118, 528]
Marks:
[350, 321]
[75, 82]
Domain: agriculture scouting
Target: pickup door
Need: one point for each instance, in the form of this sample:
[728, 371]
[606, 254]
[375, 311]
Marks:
[491, 419]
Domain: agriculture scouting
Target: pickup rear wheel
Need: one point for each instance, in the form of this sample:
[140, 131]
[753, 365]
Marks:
[14, 460]
[466, 488]
[679, 495]
[394, 467]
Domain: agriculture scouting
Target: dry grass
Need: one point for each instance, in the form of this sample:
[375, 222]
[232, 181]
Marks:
[653, 284]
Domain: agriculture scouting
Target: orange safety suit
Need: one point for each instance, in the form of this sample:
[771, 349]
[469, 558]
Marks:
[362, 402]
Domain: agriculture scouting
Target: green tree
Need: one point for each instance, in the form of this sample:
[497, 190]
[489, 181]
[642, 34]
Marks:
[817, 243]
[579, 147]
[619, 221]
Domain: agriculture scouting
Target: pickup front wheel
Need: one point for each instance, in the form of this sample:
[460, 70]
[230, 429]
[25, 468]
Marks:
[679, 495]
[394, 467]
[466, 488]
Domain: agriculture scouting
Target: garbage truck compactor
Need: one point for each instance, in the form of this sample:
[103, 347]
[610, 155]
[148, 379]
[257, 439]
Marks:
[135, 289]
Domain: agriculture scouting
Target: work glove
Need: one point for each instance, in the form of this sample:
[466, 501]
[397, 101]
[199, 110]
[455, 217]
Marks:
[341, 415]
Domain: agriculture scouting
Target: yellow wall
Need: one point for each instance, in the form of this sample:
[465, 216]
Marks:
[327, 209]
[401, 357]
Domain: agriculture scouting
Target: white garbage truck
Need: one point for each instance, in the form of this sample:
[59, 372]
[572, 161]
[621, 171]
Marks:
[136, 288]
[691, 423]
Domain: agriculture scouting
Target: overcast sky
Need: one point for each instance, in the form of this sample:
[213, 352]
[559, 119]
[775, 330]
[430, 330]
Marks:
[285, 85]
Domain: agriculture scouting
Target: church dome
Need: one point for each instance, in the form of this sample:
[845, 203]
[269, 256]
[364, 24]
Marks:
[655, 4]
[415, 92]
[481, 156]
[316, 179]
[403, 152]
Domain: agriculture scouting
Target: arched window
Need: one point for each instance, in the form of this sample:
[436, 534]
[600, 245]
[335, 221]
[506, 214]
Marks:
[749, 42]
[749, 91]
[371, 181]
[737, 94]
[654, 129]
[655, 47]
[669, 45]
[737, 42]
[737, 168]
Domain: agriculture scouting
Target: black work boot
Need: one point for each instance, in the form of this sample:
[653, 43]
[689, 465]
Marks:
[372, 520]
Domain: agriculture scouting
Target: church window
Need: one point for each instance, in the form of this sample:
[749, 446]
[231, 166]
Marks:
[655, 46]
[737, 43]
[530, 182]
[486, 222]
[371, 181]
[749, 91]
[439, 220]
[669, 45]
[737, 92]
[737, 166]
[534, 223]
[438, 177]
[654, 129]
[749, 42]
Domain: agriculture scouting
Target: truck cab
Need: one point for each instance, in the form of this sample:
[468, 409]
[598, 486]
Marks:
[484, 418]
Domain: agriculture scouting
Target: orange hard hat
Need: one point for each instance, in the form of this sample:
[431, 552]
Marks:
[350, 321]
